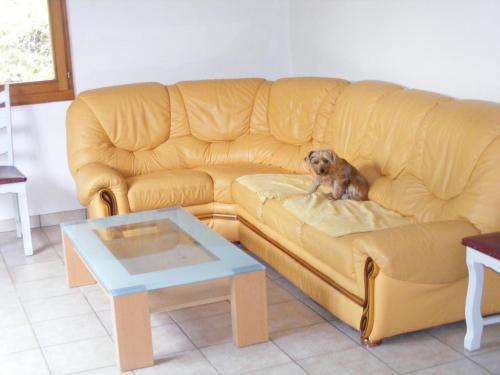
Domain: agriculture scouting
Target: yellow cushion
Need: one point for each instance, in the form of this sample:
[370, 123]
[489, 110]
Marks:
[294, 105]
[335, 218]
[169, 188]
[330, 255]
[223, 176]
[221, 109]
[324, 230]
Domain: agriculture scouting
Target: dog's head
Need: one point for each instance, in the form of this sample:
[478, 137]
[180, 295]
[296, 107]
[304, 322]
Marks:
[321, 161]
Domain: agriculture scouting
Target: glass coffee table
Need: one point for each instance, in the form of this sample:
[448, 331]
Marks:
[159, 261]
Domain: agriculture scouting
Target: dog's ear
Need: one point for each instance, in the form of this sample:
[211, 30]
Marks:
[307, 159]
[331, 155]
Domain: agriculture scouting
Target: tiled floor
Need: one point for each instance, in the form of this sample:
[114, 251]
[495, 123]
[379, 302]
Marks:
[47, 328]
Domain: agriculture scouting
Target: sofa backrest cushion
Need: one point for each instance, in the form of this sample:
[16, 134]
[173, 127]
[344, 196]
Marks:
[294, 105]
[453, 168]
[124, 111]
[219, 110]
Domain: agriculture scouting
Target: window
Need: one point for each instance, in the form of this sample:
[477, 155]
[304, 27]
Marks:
[34, 51]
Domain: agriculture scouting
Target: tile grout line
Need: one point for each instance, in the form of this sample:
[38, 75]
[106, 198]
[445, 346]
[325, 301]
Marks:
[480, 365]
[33, 330]
[412, 371]
[192, 342]
[462, 354]
[485, 350]
[439, 364]
[379, 359]
[286, 354]
[30, 325]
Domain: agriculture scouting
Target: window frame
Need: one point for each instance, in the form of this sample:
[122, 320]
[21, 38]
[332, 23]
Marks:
[60, 88]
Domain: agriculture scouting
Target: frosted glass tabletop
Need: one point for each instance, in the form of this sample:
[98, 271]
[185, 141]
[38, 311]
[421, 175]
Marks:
[151, 250]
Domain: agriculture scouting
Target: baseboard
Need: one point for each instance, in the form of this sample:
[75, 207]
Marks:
[46, 220]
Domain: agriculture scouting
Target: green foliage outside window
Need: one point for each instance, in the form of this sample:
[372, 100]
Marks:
[25, 42]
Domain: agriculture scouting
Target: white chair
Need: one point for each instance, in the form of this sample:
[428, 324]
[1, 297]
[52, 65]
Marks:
[11, 179]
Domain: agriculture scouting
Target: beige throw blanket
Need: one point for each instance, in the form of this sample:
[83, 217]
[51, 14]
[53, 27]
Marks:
[336, 218]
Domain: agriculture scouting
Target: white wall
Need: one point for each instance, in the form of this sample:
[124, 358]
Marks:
[447, 46]
[123, 41]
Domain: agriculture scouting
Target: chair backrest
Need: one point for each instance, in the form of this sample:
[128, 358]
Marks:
[6, 126]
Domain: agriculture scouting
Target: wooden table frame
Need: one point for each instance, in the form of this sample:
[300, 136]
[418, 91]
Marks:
[131, 313]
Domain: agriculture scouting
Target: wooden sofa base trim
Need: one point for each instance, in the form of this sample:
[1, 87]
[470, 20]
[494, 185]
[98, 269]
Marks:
[318, 273]
[109, 201]
[371, 271]
[367, 318]
[217, 216]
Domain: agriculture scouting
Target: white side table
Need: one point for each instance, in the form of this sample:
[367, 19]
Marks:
[482, 250]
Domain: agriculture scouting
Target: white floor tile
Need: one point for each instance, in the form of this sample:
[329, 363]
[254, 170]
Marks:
[186, 363]
[413, 352]
[17, 339]
[106, 320]
[57, 307]
[355, 361]
[80, 356]
[16, 257]
[462, 367]
[9, 243]
[169, 339]
[454, 334]
[37, 271]
[113, 370]
[277, 294]
[9, 297]
[98, 300]
[313, 340]
[347, 330]
[53, 233]
[286, 369]
[318, 309]
[40, 289]
[291, 314]
[229, 359]
[160, 318]
[29, 362]
[202, 311]
[60, 331]
[12, 315]
[208, 331]
[489, 360]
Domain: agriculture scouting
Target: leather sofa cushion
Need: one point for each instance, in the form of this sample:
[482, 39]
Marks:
[322, 228]
[335, 218]
[223, 176]
[221, 110]
[169, 188]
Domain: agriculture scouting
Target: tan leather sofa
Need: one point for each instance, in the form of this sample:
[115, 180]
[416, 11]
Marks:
[432, 161]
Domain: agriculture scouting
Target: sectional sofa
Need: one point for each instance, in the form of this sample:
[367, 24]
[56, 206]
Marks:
[232, 153]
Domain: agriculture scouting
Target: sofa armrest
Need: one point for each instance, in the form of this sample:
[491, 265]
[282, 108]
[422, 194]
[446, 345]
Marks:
[94, 179]
[428, 253]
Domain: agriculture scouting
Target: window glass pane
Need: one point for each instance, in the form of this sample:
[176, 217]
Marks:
[25, 41]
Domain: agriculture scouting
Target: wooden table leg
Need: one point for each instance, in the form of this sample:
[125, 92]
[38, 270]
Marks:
[249, 308]
[133, 341]
[473, 316]
[77, 273]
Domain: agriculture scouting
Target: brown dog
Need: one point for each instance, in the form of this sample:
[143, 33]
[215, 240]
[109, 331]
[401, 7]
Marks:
[346, 181]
